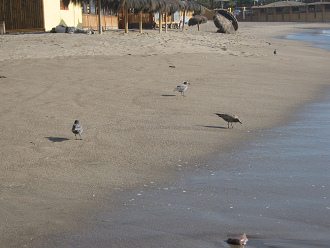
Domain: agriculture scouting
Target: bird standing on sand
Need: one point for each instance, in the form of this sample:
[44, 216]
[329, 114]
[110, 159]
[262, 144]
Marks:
[77, 129]
[229, 118]
[239, 240]
[182, 88]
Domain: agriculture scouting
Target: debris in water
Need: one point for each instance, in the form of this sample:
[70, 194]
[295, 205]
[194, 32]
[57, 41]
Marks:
[239, 240]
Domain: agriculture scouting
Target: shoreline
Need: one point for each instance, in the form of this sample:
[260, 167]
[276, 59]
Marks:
[176, 130]
[138, 215]
[206, 202]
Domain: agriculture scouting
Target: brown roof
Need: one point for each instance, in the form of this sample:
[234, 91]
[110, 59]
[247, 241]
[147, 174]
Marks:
[280, 4]
[318, 3]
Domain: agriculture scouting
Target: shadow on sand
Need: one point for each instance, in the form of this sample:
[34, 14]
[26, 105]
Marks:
[220, 127]
[168, 95]
[57, 139]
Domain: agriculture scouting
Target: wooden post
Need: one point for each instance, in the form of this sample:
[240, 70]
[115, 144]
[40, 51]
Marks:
[290, 13]
[99, 16]
[140, 24]
[90, 6]
[184, 18]
[171, 23]
[160, 22]
[2, 27]
[166, 22]
[84, 8]
[126, 19]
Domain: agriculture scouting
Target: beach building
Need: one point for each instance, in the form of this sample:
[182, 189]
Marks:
[134, 19]
[115, 20]
[38, 15]
[174, 20]
[109, 18]
[43, 15]
[289, 11]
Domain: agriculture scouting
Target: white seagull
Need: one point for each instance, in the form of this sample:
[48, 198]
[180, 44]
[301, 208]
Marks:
[182, 88]
[77, 129]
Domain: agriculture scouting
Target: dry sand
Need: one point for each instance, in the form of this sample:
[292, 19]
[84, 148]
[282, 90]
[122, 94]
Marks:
[119, 86]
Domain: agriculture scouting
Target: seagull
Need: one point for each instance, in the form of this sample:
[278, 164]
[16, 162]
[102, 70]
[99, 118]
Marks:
[275, 52]
[229, 118]
[240, 240]
[182, 88]
[77, 129]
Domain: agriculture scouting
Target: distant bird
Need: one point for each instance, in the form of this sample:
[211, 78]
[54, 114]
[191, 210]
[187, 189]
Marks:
[229, 118]
[239, 240]
[182, 88]
[275, 52]
[77, 129]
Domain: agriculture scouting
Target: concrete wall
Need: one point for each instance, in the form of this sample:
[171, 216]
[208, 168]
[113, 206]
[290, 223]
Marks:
[55, 16]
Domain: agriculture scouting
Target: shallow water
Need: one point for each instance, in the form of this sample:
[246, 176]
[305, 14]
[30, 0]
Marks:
[318, 37]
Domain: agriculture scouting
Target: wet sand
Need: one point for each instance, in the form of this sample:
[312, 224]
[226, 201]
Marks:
[120, 88]
[275, 188]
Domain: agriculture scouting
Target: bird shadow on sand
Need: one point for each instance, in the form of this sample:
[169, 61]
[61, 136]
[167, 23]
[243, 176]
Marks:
[168, 95]
[219, 127]
[57, 139]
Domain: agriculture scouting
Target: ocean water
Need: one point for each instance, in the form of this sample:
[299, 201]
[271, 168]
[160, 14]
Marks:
[317, 37]
[275, 188]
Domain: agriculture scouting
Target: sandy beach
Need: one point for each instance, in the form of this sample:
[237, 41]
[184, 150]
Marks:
[136, 129]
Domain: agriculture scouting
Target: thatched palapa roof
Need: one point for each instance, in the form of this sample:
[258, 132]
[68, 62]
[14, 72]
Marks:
[223, 24]
[229, 16]
[169, 6]
[196, 20]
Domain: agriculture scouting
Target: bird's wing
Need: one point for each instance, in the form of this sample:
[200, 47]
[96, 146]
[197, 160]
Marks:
[222, 115]
[178, 88]
[77, 127]
[226, 117]
[182, 87]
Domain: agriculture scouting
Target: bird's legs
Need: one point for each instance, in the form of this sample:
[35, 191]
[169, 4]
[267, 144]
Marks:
[75, 135]
[80, 136]
[228, 124]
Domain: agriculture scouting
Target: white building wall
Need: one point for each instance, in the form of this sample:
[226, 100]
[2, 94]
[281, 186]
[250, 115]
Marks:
[55, 16]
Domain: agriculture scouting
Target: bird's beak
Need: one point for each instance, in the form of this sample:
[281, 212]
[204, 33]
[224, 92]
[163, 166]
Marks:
[240, 122]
